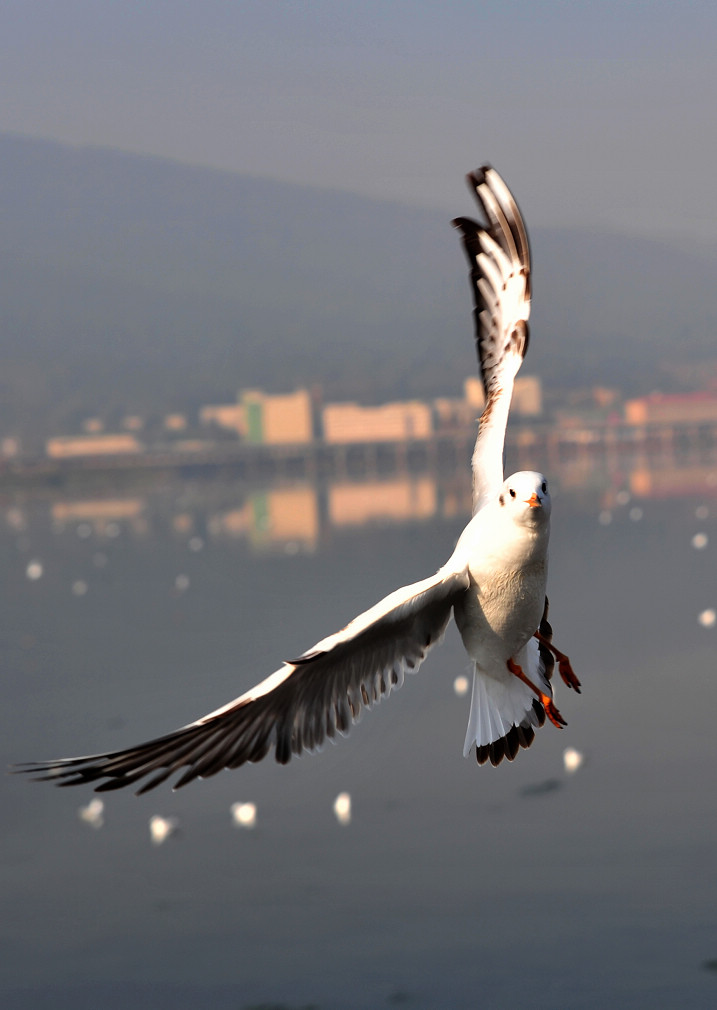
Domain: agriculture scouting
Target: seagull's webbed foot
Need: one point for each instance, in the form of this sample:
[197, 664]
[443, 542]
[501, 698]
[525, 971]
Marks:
[547, 702]
[565, 668]
[551, 711]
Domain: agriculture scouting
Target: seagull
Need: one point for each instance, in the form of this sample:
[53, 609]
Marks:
[493, 584]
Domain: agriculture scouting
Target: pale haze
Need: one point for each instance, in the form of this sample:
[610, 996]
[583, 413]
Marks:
[387, 871]
[600, 115]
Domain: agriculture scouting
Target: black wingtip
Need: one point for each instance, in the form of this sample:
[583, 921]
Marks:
[466, 225]
[477, 178]
[508, 746]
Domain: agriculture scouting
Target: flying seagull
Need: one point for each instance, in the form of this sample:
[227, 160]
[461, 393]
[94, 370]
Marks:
[494, 585]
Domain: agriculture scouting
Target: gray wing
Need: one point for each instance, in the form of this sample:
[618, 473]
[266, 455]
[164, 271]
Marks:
[297, 707]
[499, 256]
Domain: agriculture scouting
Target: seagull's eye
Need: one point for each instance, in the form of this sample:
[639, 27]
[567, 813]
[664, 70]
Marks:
[544, 487]
[511, 492]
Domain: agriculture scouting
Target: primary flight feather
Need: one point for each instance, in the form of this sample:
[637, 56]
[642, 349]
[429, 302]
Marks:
[493, 584]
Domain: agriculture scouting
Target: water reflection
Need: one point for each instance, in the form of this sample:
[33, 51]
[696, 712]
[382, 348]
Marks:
[581, 882]
[299, 517]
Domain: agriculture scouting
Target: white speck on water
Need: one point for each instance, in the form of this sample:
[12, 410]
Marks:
[244, 815]
[636, 514]
[707, 618]
[92, 814]
[605, 517]
[162, 828]
[461, 685]
[181, 583]
[700, 541]
[342, 808]
[79, 587]
[34, 570]
[572, 759]
[702, 512]
[195, 544]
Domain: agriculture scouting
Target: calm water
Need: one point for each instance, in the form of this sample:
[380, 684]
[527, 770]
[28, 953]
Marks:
[453, 885]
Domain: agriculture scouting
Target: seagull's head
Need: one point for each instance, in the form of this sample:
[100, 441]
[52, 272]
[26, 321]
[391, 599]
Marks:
[526, 497]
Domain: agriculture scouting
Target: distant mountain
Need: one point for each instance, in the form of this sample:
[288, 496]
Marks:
[137, 284]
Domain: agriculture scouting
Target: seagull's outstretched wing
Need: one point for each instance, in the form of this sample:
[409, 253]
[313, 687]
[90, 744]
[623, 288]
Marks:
[499, 255]
[297, 707]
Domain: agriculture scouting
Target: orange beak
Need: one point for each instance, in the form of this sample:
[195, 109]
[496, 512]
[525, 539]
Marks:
[533, 501]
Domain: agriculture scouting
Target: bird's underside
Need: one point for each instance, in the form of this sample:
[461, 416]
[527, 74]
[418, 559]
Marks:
[543, 706]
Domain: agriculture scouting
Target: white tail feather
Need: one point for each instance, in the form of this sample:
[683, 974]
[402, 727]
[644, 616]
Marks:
[498, 705]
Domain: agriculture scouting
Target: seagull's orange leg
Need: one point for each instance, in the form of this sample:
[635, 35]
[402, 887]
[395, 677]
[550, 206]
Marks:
[547, 702]
[564, 667]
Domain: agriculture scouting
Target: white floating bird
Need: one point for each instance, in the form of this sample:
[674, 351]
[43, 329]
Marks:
[342, 808]
[34, 570]
[493, 583]
[244, 815]
[572, 760]
[162, 828]
[461, 685]
[93, 813]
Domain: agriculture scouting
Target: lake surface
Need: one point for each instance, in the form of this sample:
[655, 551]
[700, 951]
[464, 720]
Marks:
[453, 885]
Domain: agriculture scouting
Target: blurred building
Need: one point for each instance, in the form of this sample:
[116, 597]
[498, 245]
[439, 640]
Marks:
[278, 420]
[392, 422]
[230, 416]
[175, 422]
[684, 408]
[449, 414]
[674, 481]
[68, 446]
[93, 510]
[527, 395]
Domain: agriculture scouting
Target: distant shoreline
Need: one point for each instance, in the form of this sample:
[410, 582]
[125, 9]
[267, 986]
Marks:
[537, 444]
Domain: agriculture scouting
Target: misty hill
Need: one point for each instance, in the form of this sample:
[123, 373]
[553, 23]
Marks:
[138, 284]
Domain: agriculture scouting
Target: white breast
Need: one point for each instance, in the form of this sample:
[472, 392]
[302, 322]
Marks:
[508, 568]
[500, 613]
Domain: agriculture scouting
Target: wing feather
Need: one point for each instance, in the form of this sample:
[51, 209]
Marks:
[297, 707]
[499, 255]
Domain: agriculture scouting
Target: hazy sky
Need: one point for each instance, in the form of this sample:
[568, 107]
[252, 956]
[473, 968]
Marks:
[598, 113]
